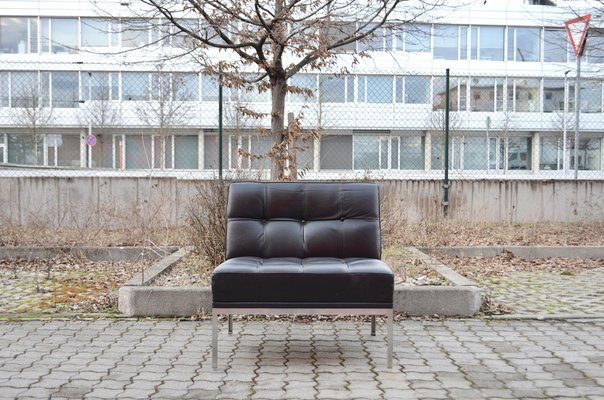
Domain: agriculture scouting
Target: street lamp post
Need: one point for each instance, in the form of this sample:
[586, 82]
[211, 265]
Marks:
[564, 116]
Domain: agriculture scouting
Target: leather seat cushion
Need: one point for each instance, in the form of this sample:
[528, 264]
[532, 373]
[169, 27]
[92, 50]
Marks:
[289, 282]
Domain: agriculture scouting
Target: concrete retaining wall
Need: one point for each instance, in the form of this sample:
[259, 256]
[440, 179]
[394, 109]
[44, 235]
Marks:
[116, 202]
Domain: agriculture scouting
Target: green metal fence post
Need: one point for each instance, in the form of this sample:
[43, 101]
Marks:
[446, 183]
[220, 126]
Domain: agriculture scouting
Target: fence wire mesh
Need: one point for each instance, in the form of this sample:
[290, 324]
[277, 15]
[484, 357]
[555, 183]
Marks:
[65, 119]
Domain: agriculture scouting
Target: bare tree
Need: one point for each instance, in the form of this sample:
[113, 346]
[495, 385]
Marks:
[33, 114]
[274, 40]
[167, 109]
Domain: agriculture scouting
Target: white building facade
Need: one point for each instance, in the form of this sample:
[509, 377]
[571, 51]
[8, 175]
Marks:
[84, 94]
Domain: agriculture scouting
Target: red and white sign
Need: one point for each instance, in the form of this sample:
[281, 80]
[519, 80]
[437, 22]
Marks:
[91, 140]
[577, 32]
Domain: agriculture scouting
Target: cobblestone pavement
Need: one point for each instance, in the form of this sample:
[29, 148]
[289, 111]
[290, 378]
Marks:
[460, 359]
[549, 293]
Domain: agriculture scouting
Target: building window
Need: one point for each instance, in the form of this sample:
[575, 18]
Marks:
[209, 88]
[252, 93]
[18, 35]
[591, 96]
[98, 32]
[524, 44]
[65, 89]
[53, 150]
[336, 152]
[379, 40]
[135, 86]
[411, 152]
[523, 95]
[481, 153]
[413, 39]
[595, 46]
[100, 86]
[337, 31]
[486, 43]
[185, 87]
[25, 149]
[413, 89]
[374, 89]
[4, 89]
[448, 39]
[63, 150]
[182, 39]
[29, 90]
[59, 35]
[135, 33]
[458, 95]
[555, 45]
[486, 94]
[261, 146]
[248, 152]
[186, 152]
[301, 86]
[332, 89]
[589, 154]
[490, 43]
[367, 152]
[388, 152]
[475, 153]
[3, 150]
[553, 95]
[550, 154]
[519, 153]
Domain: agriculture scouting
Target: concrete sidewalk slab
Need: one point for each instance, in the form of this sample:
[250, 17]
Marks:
[159, 359]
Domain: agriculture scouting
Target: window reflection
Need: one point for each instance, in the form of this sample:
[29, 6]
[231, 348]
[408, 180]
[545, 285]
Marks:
[18, 35]
[59, 35]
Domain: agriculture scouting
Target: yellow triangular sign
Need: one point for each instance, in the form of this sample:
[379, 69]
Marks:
[577, 31]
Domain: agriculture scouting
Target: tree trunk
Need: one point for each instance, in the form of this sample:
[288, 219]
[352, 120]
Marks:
[279, 90]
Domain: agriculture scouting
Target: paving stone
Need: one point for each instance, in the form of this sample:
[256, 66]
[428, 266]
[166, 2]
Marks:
[439, 359]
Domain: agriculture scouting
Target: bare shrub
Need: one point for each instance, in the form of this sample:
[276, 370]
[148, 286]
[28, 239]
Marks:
[391, 219]
[206, 220]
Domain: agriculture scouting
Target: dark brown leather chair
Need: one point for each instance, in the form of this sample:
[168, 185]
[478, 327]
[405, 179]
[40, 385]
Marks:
[302, 248]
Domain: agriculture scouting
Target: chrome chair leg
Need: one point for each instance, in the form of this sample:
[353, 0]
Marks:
[373, 325]
[390, 319]
[214, 340]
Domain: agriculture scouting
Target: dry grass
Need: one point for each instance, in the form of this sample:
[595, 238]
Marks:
[452, 233]
[46, 237]
[506, 263]
[425, 234]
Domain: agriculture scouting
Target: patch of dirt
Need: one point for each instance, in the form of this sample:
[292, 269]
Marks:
[506, 262]
[194, 270]
[65, 283]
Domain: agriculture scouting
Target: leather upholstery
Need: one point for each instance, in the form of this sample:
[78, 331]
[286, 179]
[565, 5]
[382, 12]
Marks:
[304, 245]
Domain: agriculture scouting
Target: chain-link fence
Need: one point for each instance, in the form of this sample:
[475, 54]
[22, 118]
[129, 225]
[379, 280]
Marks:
[67, 119]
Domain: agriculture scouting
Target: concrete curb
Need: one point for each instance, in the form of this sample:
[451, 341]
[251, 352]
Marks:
[92, 253]
[149, 301]
[463, 298]
[165, 265]
[524, 252]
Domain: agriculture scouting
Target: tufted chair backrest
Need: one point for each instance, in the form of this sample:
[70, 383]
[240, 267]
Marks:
[303, 219]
